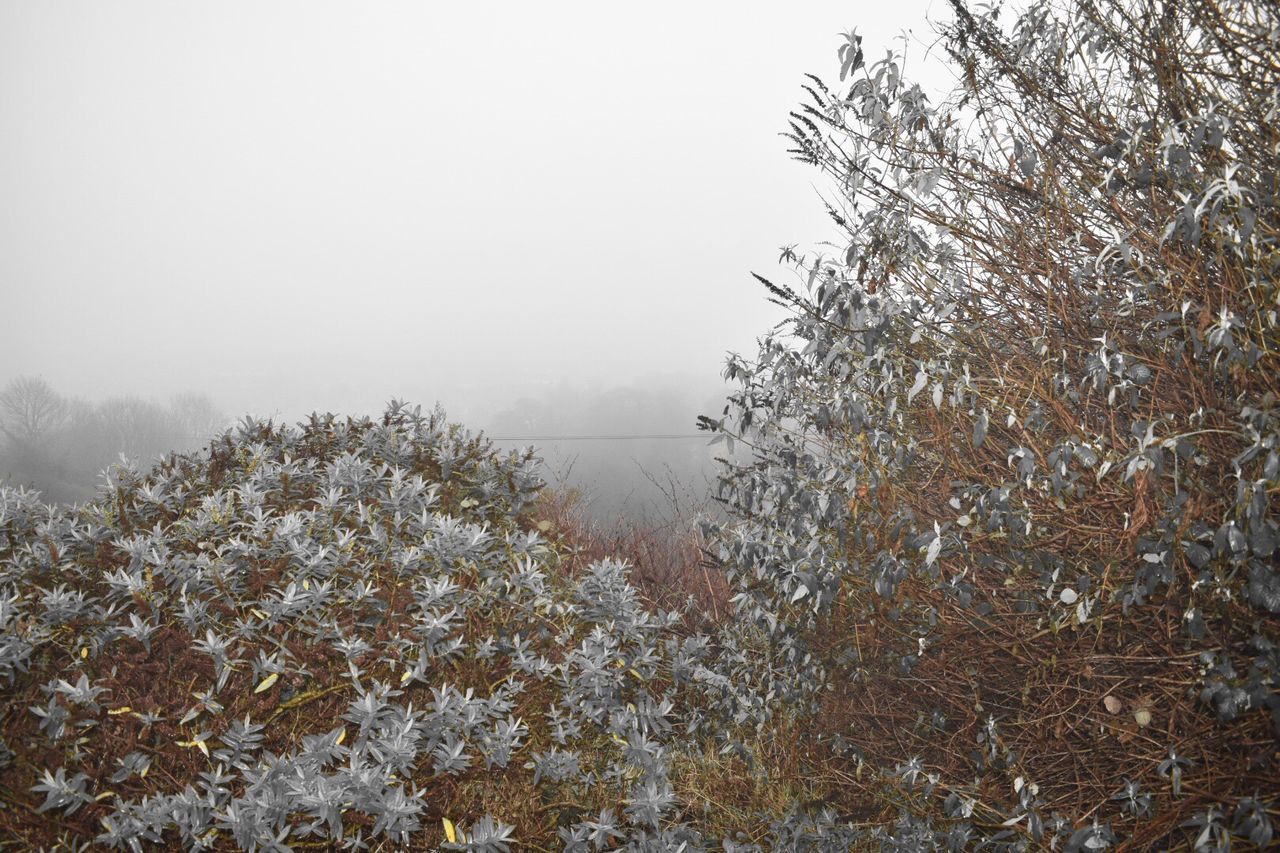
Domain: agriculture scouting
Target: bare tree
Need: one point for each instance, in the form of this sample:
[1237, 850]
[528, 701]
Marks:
[139, 428]
[30, 409]
[198, 417]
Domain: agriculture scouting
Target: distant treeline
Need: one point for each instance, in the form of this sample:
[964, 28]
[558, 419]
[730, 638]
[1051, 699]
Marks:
[61, 445]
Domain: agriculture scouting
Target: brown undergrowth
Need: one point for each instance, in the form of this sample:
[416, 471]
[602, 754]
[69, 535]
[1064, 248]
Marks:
[669, 565]
[154, 692]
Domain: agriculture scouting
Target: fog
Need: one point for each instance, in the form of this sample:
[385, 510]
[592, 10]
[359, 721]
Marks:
[540, 216]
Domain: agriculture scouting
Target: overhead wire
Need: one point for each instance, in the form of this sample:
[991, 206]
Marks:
[596, 437]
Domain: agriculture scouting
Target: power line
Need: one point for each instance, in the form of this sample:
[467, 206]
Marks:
[595, 437]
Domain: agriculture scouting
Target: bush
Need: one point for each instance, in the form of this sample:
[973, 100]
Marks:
[348, 633]
[1008, 527]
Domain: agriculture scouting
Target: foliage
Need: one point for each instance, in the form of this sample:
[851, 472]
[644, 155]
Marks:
[348, 632]
[1007, 532]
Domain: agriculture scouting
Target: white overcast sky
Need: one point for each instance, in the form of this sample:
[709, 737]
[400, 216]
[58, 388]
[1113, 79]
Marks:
[317, 205]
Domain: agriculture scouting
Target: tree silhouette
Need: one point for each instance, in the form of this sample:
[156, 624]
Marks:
[30, 409]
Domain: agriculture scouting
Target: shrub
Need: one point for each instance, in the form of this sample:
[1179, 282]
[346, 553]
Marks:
[1008, 526]
[340, 634]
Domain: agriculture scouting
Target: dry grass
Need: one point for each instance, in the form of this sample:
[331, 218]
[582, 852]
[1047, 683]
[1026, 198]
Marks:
[668, 563]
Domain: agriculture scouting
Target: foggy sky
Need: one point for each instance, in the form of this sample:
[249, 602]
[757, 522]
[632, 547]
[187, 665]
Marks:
[292, 206]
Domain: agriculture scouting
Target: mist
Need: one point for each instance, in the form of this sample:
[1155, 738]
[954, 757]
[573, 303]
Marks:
[541, 217]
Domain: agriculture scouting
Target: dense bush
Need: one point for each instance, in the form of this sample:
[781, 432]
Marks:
[1007, 534]
[349, 633]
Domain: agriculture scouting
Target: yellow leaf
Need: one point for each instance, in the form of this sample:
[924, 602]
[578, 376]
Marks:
[408, 673]
[124, 709]
[104, 795]
[342, 735]
[198, 744]
[449, 832]
[267, 682]
[84, 653]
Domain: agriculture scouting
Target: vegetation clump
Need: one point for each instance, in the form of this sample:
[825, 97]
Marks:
[1006, 520]
[349, 633]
